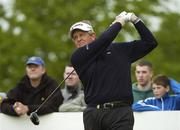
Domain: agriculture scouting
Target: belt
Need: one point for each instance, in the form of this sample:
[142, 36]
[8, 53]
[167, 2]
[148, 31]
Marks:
[111, 105]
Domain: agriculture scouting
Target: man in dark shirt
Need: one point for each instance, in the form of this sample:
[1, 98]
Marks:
[31, 91]
[105, 71]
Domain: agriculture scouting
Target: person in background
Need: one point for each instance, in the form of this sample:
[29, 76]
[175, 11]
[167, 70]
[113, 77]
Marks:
[142, 89]
[161, 101]
[31, 91]
[2, 97]
[72, 92]
[104, 68]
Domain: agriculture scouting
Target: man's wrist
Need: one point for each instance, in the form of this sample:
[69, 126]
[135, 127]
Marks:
[116, 21]
[136, 20]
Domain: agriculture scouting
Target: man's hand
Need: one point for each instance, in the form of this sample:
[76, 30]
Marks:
[20, 108]
[125, 17]
[131, 17]
[121, 18]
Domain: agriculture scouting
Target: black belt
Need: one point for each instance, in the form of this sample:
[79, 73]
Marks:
[110, 105]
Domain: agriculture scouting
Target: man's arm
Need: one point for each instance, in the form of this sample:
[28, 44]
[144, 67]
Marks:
[145, 105]
[175, 86]
[140, 48]
[51, 105]
[7, 104]
[7, 107]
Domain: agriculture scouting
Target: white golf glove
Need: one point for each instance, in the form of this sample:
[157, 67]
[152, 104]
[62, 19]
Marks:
[122, 14]
[121, 18]
[131, 17]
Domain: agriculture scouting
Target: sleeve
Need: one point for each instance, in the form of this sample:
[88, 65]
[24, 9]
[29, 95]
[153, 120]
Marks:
[7, 104]
[76, 105]
[52, 104]
[175, 86]
[178, 102]
[91, 51]
[139, 48]
[144, 105]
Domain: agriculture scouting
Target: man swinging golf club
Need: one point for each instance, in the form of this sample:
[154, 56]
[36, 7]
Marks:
[104, 69]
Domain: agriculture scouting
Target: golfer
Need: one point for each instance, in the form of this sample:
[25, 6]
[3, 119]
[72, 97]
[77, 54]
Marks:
[105, 71]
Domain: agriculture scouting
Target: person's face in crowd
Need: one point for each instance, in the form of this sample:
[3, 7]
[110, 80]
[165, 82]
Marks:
[35, 72]
[73, 79]
[159, 90]
[82, 38]
[143, 75]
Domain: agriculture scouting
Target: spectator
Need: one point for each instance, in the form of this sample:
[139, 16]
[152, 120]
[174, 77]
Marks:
[142, 89]
[2, 97]
[104, 70]
[161, 101]
[72, 92]
[31, 91]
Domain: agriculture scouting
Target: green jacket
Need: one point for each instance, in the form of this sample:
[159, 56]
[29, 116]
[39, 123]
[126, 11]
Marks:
[141, 95]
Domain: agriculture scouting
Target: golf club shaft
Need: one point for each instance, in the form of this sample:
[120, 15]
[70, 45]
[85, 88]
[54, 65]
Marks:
[53, 91]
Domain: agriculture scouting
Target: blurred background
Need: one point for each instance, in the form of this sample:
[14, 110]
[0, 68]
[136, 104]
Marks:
[41, 27]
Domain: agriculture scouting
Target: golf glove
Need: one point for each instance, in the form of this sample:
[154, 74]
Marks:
[121, 18]
[131, 17]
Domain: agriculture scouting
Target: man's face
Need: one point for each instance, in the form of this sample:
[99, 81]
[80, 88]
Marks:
[82, 38]
[34, 72]
[159, 90]
[143, 75]
[73, 79]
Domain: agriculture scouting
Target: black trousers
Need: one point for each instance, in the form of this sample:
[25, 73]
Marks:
[120, 118]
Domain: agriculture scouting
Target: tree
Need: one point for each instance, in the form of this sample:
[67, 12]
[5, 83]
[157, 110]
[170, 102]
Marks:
[41, 28]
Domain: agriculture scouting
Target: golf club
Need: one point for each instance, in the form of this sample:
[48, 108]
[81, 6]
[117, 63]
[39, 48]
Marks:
[34, 116]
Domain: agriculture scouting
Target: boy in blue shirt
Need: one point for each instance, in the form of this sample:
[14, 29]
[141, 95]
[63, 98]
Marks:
[161, 101]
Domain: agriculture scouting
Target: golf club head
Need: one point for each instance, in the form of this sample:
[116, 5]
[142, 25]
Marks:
[34, 118]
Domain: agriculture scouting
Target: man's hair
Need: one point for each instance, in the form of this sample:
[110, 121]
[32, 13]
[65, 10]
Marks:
[161, 80]
[69, 65]
[144, 63]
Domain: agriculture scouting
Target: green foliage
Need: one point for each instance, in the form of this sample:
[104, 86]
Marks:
[41, 27]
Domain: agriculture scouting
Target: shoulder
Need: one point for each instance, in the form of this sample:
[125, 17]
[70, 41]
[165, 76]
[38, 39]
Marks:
[79, 99]
[64, 91]
[49, 79]
[135, 88]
